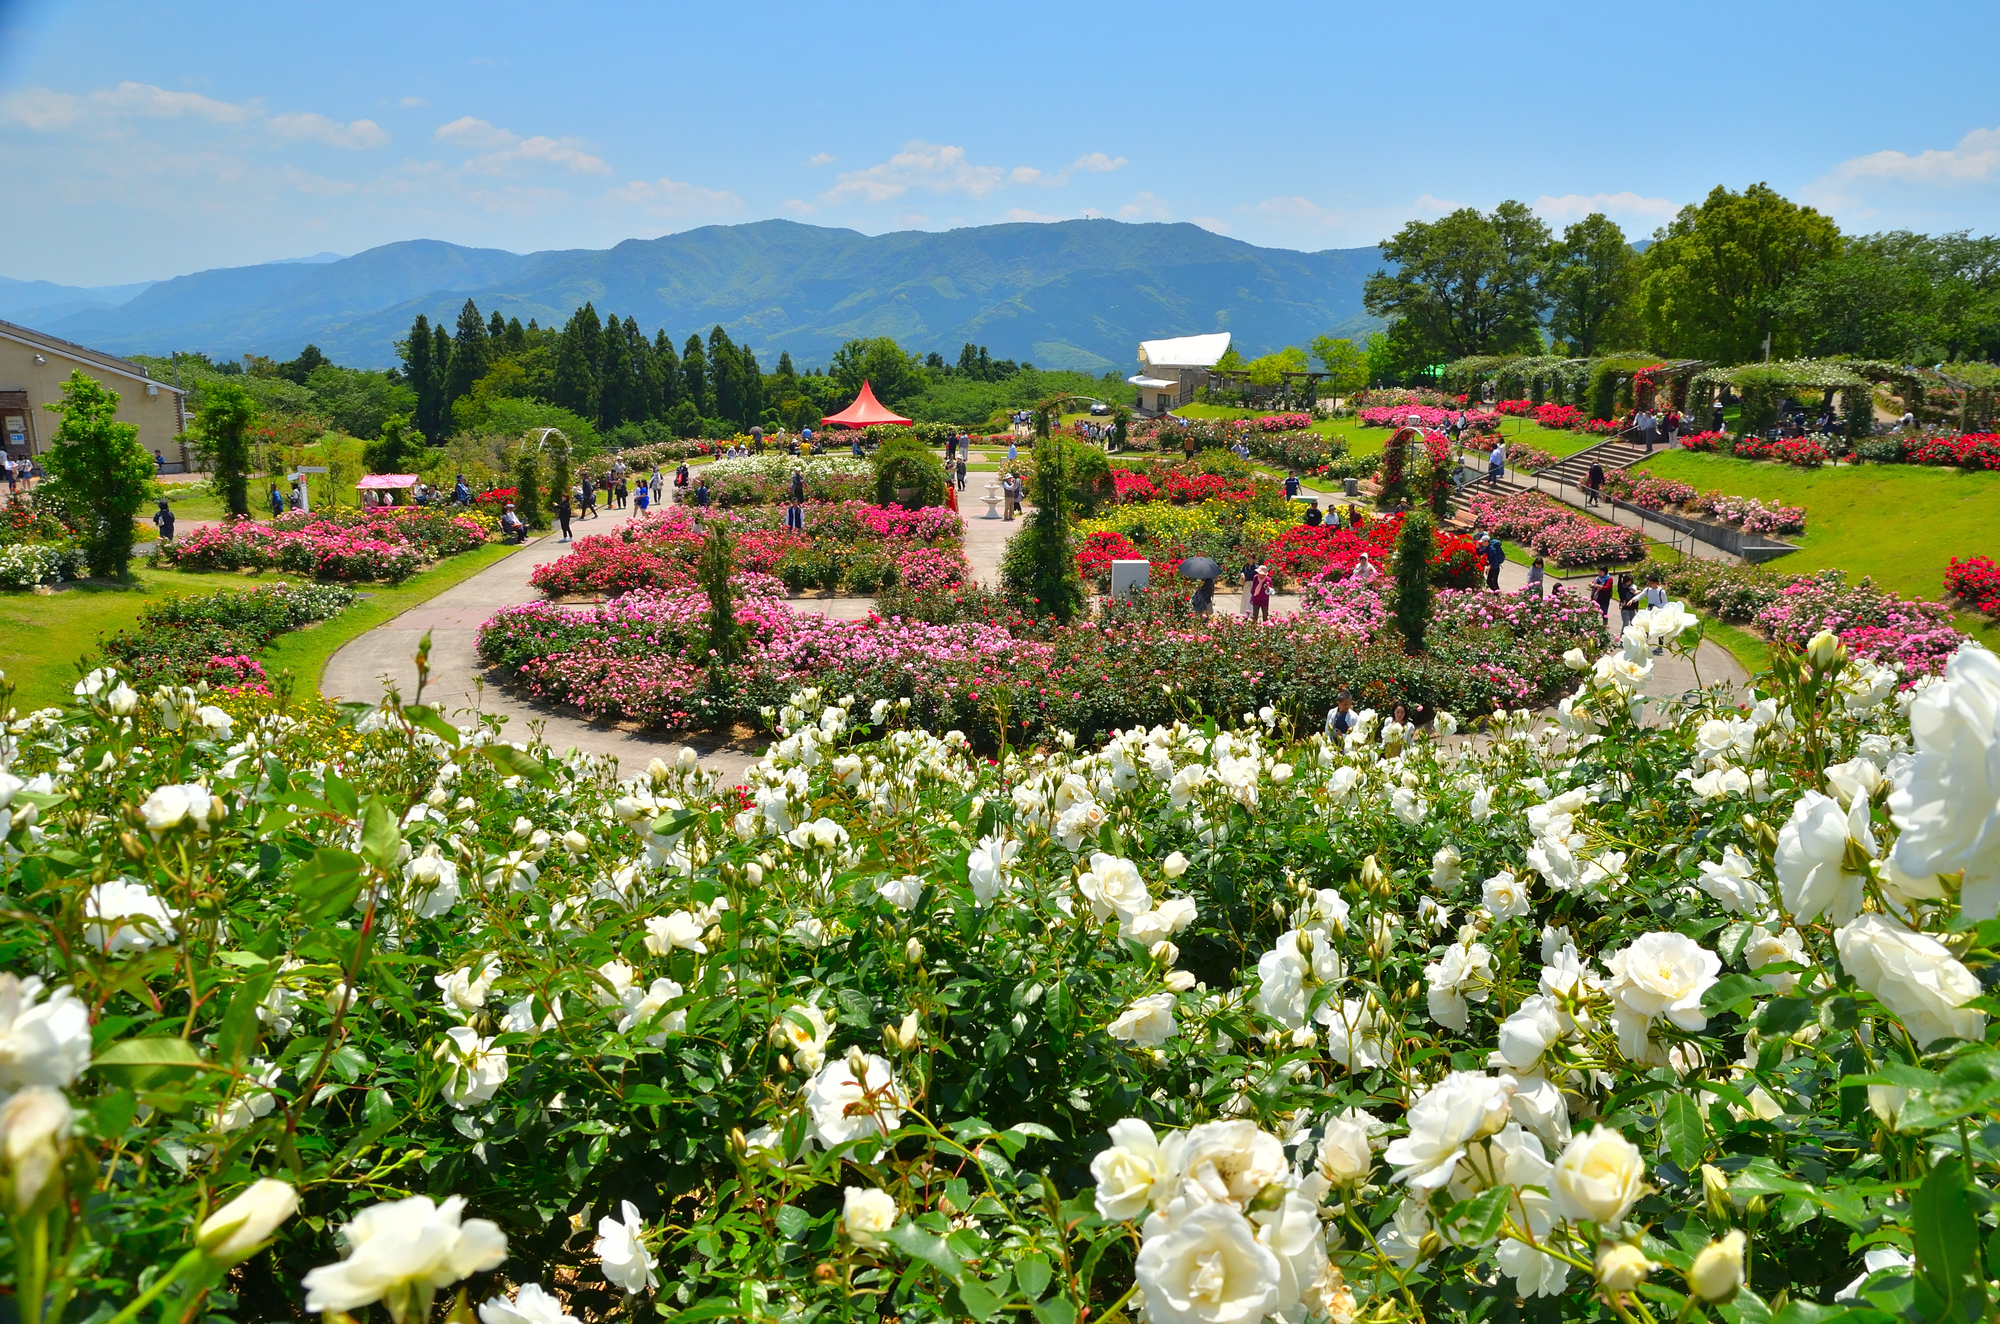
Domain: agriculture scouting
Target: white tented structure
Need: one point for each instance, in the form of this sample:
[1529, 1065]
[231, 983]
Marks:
[1171, 371]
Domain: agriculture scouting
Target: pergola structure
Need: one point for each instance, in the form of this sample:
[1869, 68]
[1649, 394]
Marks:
[1293, 389]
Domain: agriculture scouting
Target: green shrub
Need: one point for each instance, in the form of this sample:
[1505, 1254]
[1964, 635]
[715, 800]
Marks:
[906, 464]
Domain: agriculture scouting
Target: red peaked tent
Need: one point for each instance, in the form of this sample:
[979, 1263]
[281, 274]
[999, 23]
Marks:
[864, 412]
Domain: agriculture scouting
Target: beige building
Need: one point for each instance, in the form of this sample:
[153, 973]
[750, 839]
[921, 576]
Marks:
[1171, 371]
[33, 368]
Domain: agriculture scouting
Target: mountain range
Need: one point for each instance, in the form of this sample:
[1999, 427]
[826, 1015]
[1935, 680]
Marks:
[1068, 294]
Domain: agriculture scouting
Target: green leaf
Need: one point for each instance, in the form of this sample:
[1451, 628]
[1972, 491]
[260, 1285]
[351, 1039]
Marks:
[327, 883]
[431, 720]
[238, 1035]
[918, 1244]
[380, 841]
[1731, 992]
[669, 825]
[1480, 1217]
[1682, 1130]
[1945, 1230]
[978, 1300]
[145, 1063]
[1032, 1273]
[340, 796]
[792, 1220]
[1056, 1310]
[517, 763]
[1784, 1015]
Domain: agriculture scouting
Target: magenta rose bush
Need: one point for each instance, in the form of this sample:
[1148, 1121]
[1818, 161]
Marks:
[1547, 526]
[359, 545]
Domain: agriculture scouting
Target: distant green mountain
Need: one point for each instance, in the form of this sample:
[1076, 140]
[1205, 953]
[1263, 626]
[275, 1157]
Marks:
[1072, 294]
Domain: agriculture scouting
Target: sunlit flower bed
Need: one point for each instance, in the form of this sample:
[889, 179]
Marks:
[1427, 417]
[1564, 535]
[1747, 513]
[1655, 1010]
[1975, 581]
[351, 545]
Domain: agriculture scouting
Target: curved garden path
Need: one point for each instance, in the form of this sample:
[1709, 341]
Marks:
[461, 683]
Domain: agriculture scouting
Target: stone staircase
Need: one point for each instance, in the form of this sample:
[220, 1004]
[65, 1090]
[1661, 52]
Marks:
[1568, 472]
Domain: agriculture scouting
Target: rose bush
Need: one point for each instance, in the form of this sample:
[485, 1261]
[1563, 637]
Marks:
[1659, 1004]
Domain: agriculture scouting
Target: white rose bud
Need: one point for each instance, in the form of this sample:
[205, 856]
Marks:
[905, 1035]
[1822, 650]
[1718, 1269]
[913, 952]
[1622, 1267]
[687, 759]
[1174, 865]
[236, 1230]
[754, 872]
[1575, 660]
[1180, 981]
[34, 1132]
[1164, 952]
[575, 842]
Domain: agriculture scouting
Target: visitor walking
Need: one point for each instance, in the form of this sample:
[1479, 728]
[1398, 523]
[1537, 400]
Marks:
[961, 473]
[799, 486]
[1013, 452]
[1260, 594]
[277, 502]
[1496, 463]
[701, 492]
[1715, 417]
[795, 516]
[645, 497]
[1593, 484]
[1628, 600]
[562, 514]
[1601, 589]
[1249, 583]
[1291, 485]
[163, 520]
[1670, 427]
[1535, 576]
[1495, 554]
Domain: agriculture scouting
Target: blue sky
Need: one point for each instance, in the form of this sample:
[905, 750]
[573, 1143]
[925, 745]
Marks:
[142, 140]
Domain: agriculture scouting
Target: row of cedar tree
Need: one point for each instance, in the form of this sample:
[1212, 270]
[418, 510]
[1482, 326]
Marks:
[605, 369]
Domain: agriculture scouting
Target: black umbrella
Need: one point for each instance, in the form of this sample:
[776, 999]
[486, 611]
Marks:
[1199, 567]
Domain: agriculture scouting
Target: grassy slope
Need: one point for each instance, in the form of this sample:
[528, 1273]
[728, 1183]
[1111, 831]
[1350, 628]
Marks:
[1898, 524]
[42, 636]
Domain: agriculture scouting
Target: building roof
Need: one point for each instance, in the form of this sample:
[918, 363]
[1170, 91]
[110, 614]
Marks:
[865, 410]
[1184, 351]
[83, 354]
[1159, 383]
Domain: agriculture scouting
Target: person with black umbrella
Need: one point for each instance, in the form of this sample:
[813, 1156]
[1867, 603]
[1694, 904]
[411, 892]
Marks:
[1204, 572]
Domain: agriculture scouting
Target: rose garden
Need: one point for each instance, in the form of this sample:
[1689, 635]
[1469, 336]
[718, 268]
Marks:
[1424, 950]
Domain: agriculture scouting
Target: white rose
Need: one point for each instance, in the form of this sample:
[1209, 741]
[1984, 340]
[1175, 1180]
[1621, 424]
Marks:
[1463, 1107]
[678, 930]
[530, 1305]
[902, 892]
[1174, 865]
[1465, 971]
[1504, 895]
[846, 1104]
[1732, 882]
[400, 1252]
[868, 1213]
[1345, 1156]
[1528, 1031]
[1353, 1034]
[1948, 802]
[169, 806]
[1811, 859]
[621, 1251]
[1622, 1267]
[1599, 1177]
[236, 1230]
[217, 723]
[804, 1030]
[1127, 1171]
[1658, 975]
[1113, 887]
[1231, 1161]
[1147, 1023]
[127, 917]
[1209, 1268]
[1301, 958]
[474, 1071]
[1445, 870]
[41, 1043]
[1914, 976]
[1763, 948]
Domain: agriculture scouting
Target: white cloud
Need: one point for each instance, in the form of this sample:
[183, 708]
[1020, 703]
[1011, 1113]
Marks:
[44, 109]
[919, 165]
[818, 159]
[407, 102]
[670, 197]
[1975, 159]
[1145, 207]
[1626, 205]
[499, 150]
[1097, 163]
[356, 135]
[1303, 209]
[1438, 205]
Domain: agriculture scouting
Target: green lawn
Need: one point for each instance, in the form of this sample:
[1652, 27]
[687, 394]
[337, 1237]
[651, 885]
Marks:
[43, 636]
[1898, 524]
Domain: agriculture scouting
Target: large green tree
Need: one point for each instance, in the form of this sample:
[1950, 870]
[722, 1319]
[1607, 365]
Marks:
[100, 474]
[893, 375]
[621, 396]
[694, 378]
[469, 354]
[1901, 296]
[577, 356]
[1712, 276]
[222, 430]
[425, 373]
[1344, 362]
[1592, 280]
[1469, 283]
